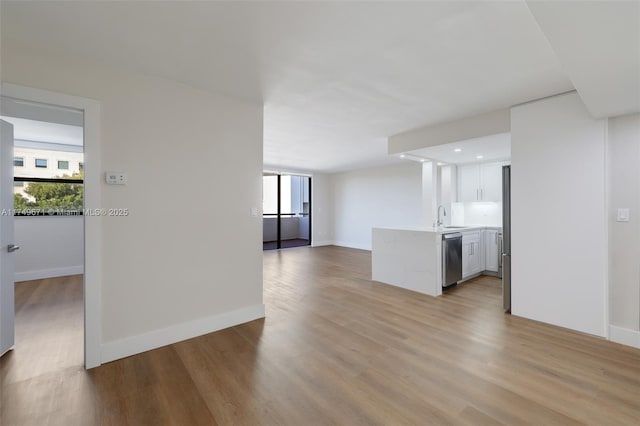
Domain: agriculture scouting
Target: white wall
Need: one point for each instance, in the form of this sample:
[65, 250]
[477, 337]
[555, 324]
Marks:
[624, 237]
[559, 239]
[383, 196]
[50, 246]
[491, 123]
[447, 192]
[476, 213]
[322, 218]
[179, 264]
[429, 194]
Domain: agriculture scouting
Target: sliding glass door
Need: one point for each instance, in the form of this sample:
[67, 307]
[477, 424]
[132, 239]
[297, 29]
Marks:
[286, 211]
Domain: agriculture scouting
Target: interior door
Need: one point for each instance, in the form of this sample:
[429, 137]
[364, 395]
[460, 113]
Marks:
[7, 302]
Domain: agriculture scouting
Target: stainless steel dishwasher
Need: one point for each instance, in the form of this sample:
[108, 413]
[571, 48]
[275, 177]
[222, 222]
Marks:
[451, 258]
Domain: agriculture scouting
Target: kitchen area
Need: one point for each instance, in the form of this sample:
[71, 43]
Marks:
[466, 190]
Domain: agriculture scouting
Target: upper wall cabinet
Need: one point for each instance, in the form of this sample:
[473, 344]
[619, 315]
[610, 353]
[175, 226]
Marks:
[491, 181]
[480, 182]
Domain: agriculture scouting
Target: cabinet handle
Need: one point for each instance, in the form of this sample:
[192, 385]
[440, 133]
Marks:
[482, 193]
[472, 249]
[477, 194]
[496, 235]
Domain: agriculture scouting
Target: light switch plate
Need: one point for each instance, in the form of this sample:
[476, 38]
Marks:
[623, 215]
[116, 178]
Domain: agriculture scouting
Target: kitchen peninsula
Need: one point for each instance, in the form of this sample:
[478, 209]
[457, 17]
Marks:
[411, 258]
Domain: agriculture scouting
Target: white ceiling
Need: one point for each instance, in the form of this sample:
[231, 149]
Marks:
[336, 78]
[494, 147]
[598, 43]
[40, 131]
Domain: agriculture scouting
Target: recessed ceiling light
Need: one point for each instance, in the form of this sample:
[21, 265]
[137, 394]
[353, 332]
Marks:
[401, 155]
[422, 160]
[479, 157]
[457, 150]
[440, 164]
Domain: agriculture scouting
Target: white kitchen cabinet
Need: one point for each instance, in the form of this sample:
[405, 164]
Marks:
[468, 183]
[476, 262]
[466, 254]
[480, 182]
[491, 248]
[491, 182]
[472, 253]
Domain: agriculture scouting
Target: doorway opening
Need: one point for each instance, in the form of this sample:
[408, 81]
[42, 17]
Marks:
[286, 211]
[49, 226]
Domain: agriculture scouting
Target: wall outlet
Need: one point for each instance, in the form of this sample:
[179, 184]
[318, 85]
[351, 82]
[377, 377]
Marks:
[116, 178]
[623, 215]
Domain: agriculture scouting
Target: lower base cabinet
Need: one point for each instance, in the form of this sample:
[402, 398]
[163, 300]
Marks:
[472, 253]
[491, 250]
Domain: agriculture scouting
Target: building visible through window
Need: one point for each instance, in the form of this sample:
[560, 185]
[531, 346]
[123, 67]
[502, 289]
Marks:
[18, 161]
[63, 165]
[81, 166]
[41, 163]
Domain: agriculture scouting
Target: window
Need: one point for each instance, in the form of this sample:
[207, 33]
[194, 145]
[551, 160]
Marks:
[41, 196]
[46, 180]
[286, 219]
[54, 189]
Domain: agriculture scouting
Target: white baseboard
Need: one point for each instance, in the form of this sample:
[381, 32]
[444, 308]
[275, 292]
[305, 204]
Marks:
[122, 348]
[48, 273]
[321, 243]
[352, 245]
[624, 336]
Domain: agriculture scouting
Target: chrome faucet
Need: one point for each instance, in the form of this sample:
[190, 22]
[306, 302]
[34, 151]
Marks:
[444, 211]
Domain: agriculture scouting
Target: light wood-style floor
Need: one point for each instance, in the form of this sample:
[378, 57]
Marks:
[337, 348]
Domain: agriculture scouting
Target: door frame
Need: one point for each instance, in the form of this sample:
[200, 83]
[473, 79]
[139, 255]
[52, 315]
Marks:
[92, 200]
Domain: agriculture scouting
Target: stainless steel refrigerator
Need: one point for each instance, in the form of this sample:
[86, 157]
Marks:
[506, 238]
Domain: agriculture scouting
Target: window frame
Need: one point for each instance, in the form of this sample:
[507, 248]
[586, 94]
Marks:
[46, 163]
[21, 159]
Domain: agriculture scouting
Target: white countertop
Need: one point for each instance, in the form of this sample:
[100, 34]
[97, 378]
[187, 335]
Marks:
[440, 229]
